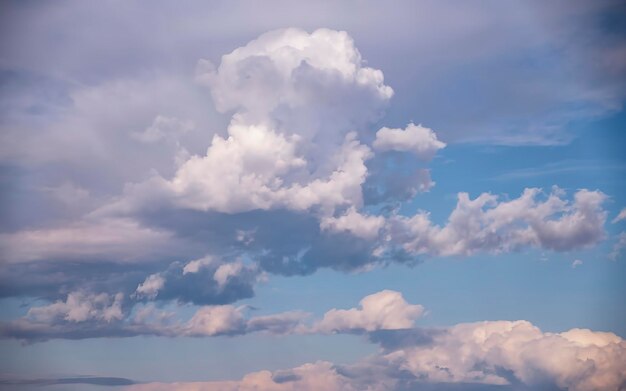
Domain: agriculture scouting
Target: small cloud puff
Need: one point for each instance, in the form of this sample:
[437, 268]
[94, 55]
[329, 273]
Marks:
[421, 141]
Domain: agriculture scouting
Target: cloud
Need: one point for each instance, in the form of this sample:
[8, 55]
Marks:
[97, 317]
[298, 98]
[309, 377]
[80, 315]
[502, 352]
[202, 281]
[505, 98]
[95, 380]
[121, 238]
[385, 310]
[85, 315]
[485, 224]
[80, 307]
[417, 139]
[363, 226]
[150, 287]
[195, 265]
[498, 355]
[215, 320]
[576, 263]
[296, 159]
[162, 128]
[618, 247]
[620, 216]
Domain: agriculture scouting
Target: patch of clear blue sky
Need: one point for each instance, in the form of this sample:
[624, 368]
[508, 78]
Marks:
[538, 286]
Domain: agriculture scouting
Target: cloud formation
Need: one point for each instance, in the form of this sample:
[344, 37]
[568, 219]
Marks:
[499, 355]
[488, 353]
[289, 143]
[201, 281]
[485, 224]
[141, 198]
[620, 216]
[84, 315]
[385, 310]
[618, 246]
[417, 139]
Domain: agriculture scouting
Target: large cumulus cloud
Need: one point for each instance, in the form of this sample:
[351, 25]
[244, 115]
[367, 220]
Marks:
[299, 180]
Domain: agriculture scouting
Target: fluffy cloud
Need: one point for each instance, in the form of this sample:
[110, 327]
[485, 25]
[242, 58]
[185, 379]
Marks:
[385, 310]
[202, 281]
[195, 265]
[484, 224]
[298, 98]
[293, 69]
[215, 320]
[299, 158]
[80, 307]
[80, 315]
[150, 287]
[417, 139]
[97, 316]
[499, 355]
[504, 352]
[363, 226]
[102, 316]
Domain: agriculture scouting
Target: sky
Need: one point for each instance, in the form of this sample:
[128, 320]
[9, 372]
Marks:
[246, 195]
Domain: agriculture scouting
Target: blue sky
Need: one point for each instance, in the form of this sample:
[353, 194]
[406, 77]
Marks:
[205, 192]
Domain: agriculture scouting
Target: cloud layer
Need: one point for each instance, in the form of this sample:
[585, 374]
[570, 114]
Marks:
[499, 354]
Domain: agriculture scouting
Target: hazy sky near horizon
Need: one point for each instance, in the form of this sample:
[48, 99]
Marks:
[325, 195]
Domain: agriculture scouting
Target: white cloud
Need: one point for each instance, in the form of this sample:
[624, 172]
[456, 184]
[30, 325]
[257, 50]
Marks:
[239, 173]
[620, 216]
[215, 320]
[197, 264]
[291, 143]
[484, 224]
[577, 360]
[150, 287]
[576, 263]
[80, 307]
[500, 353]
[417, 139]
[227, 270]
[488, 352]
[278, 67]
[363, 226]
[385, 310]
